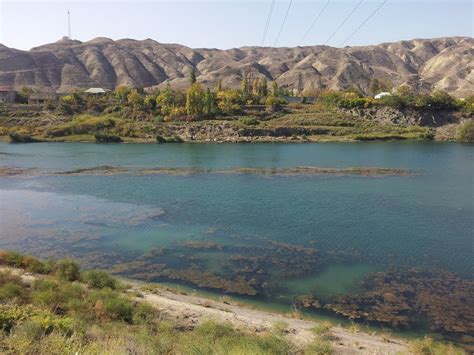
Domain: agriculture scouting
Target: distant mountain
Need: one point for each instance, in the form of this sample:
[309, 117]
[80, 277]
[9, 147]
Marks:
[442, 63]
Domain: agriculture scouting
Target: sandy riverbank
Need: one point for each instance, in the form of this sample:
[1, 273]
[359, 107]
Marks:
[187, 311]
[190, 310]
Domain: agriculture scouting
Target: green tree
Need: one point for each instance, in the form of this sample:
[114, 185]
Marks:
[121, 93]
[229, 101]
[219, 86]
[273, 103]
[135, 99]
[263, 87]
[274, 89]
[167, 100]
[377, 85]
[150, 101]
[244, 88]
[438, 100]
[441, 100]
[210, 103]
[195, 100]
[406, 95]
[256, 87]
[192, 76]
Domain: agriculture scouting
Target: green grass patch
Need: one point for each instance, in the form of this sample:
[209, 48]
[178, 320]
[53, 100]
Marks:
[21, 136]
[465, 132]
[84, 124]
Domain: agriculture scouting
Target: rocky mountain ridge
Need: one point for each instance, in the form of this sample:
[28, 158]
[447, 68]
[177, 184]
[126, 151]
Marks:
[425, 64]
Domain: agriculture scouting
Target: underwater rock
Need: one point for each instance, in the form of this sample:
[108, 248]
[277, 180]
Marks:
[202, 244]
[97, 170]
[7, 171]
[308, 301]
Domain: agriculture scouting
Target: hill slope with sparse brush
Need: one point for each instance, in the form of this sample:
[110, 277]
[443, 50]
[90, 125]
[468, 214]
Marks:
[424, 64]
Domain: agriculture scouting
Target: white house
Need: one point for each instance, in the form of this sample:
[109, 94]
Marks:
[382, 94]
[95, 91]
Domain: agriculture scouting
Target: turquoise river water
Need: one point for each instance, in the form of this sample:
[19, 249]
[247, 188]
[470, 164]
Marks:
[282, 235]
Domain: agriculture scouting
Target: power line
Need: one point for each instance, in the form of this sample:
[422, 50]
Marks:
[272, 5]
[315, 20]
[344, 21]
[283, 23]
[364, 22]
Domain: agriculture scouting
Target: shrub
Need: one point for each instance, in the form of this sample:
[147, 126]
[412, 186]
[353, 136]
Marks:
[394, 101]
[99, 279]
[10, 291]
[249, 121]
[29, 263]
[427, 346]
[55, 295]
[10, 315]
[172, 139]
[103, 137]
[49, 322]
[110, 305]
[465, 132]
[214, 330]
[438, 100]
[37, 266]
[320, 347]
[119, 309]
[83, 124]
[358, 102]
[11, 258]
[68, 270]
[7, 276]
[322, 329]
[143, 313]
[279, 328]
[273, 104]
[21, 137]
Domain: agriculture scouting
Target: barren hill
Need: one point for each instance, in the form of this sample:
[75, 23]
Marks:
[443, 63]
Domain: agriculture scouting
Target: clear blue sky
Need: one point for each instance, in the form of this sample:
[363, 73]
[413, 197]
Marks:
[227, 24]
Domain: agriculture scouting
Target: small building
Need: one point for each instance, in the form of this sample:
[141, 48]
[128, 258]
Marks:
[299, 99]
[8, 96]
[95, 91]
[382, 94]
[40, 98]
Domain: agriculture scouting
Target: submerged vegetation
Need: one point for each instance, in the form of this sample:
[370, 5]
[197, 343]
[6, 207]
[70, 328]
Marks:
[63, 309]
[71, 311]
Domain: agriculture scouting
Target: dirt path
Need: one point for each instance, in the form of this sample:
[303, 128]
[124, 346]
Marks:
[190, 310]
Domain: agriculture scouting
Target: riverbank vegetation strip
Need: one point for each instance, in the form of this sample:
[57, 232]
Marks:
[259, 111]
[55, 307]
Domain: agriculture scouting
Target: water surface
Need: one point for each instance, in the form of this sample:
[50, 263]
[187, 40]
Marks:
[283, 236]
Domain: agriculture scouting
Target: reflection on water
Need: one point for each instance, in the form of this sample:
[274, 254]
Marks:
[326, 240]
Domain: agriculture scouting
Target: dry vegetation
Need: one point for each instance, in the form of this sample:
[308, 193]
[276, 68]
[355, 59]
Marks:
[62, 309]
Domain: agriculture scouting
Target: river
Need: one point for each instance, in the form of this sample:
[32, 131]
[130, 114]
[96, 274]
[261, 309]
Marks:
[191, 214]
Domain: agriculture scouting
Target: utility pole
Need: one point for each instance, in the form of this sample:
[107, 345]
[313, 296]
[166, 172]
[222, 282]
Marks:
[68, 24]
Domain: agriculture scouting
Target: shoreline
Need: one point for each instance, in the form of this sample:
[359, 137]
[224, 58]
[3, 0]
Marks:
[189, 311]
[263, 140]
[193, 310]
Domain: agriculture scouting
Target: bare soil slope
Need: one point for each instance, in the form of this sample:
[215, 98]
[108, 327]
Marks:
[427, 64]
